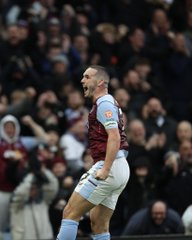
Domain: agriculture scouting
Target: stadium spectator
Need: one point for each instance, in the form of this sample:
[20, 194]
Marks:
[157, 38]
[10, 46]
[140, 146]
[69, 22]
[19, 102]
[19, 73]
[131, 47]
[66, 186]
[53, 28]
[157, 218]
[87, 163]
[148, 75]
[183, 133]
[106, 45]
[140, 190]
[158, 123]
[75, 107]
[178, 79]
[81, 43]
[47, 108]
[136, 134]
[59, 73]
[123, 98]
[30, 203]
[176, 175]
[73, 143]
[13, 164]
[138, 90]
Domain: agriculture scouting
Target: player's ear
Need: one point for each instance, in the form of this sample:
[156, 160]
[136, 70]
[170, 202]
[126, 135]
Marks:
[101, 82]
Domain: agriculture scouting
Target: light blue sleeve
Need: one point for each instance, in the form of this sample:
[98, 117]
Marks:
[29, 142]
[107, 114]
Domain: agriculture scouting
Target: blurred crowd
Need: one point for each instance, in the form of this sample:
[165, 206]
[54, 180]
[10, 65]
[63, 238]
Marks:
[45, 46]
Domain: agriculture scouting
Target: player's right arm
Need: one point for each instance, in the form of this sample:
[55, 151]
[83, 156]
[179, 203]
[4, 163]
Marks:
[108, 116]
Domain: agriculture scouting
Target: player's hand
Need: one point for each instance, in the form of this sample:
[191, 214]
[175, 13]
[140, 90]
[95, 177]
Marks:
[101, 174]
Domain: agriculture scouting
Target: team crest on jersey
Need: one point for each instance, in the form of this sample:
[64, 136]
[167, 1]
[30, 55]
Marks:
[108, 114]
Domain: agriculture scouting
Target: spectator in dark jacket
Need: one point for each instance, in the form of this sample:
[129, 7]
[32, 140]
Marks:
[157, 218]
[158, 122]
[140, 190]
[176, 178]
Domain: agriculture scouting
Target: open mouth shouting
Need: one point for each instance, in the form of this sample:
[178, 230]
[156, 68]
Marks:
[85, 89]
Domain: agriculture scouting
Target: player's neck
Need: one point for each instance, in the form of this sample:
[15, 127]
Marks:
[99, 94]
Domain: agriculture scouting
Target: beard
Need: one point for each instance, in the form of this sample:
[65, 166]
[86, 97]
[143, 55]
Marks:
[89, 92]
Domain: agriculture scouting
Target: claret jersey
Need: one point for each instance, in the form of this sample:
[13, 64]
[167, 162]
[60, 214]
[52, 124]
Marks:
[105, 114]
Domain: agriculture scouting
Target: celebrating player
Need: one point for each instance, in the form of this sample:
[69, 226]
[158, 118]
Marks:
[98, 189]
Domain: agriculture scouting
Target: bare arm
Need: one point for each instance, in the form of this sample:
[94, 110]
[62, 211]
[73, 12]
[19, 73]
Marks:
[113, 144]
[38, 131]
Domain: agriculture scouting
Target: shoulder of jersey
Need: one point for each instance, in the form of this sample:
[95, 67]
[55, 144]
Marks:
[107, 97]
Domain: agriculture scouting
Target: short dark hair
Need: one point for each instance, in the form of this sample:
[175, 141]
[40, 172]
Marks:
[101, 73]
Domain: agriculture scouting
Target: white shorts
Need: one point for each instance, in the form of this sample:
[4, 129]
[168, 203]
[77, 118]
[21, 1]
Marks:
[105, 192]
